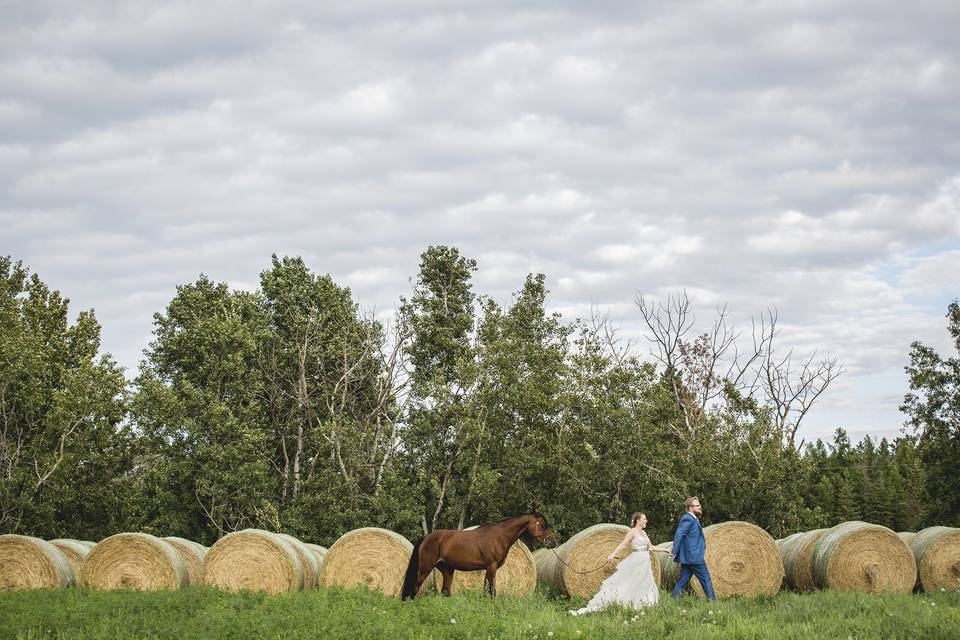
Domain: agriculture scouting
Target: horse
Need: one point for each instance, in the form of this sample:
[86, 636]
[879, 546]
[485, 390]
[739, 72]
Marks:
[482, 548]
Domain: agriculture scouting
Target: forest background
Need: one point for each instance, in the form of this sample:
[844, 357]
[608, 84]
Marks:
[294, 409]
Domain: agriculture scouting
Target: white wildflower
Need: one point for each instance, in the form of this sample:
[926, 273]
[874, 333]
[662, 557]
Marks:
[453, 621]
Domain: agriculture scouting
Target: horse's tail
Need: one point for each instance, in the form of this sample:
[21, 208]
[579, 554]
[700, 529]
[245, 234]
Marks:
[413, 569]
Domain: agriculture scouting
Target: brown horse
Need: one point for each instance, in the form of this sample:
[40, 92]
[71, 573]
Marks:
[483, 548]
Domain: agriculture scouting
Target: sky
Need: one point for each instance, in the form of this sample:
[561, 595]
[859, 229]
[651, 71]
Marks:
[802, 156]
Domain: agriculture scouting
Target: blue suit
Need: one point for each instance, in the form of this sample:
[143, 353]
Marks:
[688, 548]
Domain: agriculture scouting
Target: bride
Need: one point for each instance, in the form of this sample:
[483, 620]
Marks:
[632, 584]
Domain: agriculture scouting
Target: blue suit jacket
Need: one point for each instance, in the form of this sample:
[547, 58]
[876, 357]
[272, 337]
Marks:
[689, 543]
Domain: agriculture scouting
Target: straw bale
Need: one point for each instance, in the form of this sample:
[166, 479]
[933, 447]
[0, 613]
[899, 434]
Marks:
[517, 576]
[192, 553]
[579, 565]
[311, 568]
[937, 554]
[907, 536]
[253, 560]
[797, 554]
[669, 570]
[546, 565]
[368, 557]
[743, 560]
[32, 563]
[75, 551]
[136, 561]
[857, 556]
[320, 553]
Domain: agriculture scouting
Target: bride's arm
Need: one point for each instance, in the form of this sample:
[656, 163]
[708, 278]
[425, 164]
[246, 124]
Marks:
[626, 540]
[658, 549]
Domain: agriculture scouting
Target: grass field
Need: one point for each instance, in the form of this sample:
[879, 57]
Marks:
[207, 613]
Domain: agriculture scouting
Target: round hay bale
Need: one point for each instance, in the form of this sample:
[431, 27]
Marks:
[907, 536]
[31, 563]
[136, 561]
[253, 560]
[192, 553]
[797, 554]
[937, 554]
[75, 551]
[669, 570]
[743, 560]
[869, 558]
[320, 553]
[580, 564]
[545, 563]
[517, 576]
[368, 557]
[311, 569]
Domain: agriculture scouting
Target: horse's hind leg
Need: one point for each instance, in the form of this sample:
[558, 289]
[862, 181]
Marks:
[490, 581]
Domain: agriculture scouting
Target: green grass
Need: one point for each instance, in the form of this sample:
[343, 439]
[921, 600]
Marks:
[207, 613]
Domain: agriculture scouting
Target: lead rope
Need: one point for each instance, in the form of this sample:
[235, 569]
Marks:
[582, 573]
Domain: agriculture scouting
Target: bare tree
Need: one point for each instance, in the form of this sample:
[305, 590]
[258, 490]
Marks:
[697, 368]
[792, 392]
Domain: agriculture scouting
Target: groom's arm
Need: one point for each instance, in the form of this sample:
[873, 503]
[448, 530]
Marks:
[681, 531]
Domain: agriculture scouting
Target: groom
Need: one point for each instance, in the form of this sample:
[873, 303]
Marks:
[688, 548]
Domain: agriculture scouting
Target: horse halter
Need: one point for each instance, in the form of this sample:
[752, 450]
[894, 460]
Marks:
[542, 533]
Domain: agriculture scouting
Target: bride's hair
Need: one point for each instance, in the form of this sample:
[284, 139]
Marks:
[636, 516]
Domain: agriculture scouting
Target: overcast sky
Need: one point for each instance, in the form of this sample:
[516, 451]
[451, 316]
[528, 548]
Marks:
[800, 155]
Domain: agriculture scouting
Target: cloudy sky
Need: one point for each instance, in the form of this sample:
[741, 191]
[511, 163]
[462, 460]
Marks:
[797, 155]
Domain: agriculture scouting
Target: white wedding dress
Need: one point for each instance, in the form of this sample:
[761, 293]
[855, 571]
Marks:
[631, 585]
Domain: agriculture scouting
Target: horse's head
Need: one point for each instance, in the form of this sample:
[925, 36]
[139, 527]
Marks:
[538, 529]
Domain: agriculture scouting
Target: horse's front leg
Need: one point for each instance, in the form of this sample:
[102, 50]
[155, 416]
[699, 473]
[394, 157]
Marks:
[447, 579]
[490, 581]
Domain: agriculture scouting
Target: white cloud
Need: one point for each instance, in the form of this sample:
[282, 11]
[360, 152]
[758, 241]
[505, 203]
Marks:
[934, 275]
[802, 155]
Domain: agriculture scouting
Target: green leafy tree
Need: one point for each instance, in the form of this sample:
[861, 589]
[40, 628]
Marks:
[64, 448]
[518, 404]
[440, 318]
[332, 382]
[933, 411]
[204, 460]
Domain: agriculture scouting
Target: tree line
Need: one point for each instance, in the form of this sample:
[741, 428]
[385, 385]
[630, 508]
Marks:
[293, 409]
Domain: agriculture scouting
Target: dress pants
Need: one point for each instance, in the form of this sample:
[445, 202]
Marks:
[703, 575]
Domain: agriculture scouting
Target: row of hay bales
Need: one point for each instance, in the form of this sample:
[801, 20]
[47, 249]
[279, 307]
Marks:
[252, 559]
[742, 558]
[858, 556]
[142, 562]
